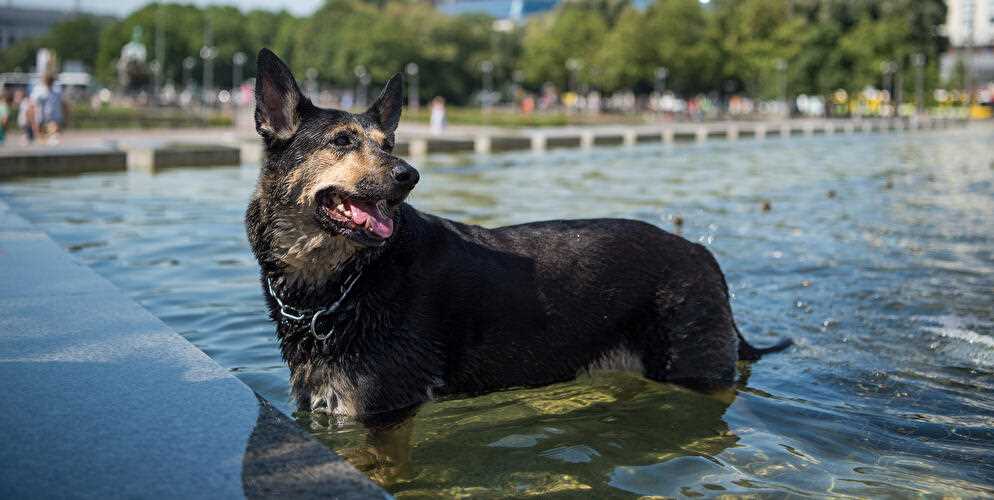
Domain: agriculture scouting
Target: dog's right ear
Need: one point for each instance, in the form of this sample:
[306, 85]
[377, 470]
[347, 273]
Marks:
[277, 98]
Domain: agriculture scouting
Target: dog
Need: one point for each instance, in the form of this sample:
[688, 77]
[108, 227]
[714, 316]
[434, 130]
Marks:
[380, 308]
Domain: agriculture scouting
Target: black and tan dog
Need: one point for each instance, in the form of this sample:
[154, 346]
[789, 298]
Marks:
[380, 307]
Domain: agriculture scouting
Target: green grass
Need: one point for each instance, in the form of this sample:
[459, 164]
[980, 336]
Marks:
[84, 117]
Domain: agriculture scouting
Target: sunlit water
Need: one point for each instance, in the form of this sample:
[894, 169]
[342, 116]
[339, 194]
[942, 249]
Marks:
[876, 256]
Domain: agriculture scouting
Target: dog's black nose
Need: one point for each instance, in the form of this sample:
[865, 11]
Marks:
[405, 175]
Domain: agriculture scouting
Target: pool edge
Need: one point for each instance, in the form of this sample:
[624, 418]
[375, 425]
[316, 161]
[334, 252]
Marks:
[104, 400]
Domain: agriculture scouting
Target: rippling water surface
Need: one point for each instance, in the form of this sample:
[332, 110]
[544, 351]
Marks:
[876, 255]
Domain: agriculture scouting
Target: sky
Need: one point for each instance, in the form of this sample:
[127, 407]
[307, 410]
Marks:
[125, 7]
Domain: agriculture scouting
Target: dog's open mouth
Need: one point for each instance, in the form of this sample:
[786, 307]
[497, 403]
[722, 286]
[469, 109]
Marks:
[367, 221]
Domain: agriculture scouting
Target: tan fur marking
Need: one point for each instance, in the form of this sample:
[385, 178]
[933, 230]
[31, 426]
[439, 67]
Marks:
[376, 135]
[325, 169]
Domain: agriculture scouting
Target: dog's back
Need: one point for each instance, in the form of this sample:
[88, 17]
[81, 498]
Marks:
[537, 303]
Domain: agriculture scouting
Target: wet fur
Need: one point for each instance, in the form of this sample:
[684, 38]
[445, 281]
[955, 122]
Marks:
[449, 308]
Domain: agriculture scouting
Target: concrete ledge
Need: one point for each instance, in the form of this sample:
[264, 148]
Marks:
[61, 162]
[608, 140]
[183, 156]
[239, 151]
[103, 400]
[510, 143]
[557, 142]
[439, 145]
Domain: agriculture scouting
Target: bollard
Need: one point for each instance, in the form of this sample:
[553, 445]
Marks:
[586, 140]
[630, 138]
[538, 143]
[668, 136]
[141, 160]
[482, 144]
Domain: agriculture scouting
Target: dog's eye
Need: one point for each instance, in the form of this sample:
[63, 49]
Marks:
[342, 140]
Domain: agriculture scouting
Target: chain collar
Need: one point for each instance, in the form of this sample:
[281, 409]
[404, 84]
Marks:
[297, 314]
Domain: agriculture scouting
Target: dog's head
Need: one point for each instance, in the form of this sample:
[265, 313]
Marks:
[330, 178]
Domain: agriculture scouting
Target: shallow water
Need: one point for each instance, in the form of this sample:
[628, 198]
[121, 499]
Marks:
[876, 256]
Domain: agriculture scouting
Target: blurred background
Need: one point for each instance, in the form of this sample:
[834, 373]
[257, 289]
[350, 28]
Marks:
[130, 64]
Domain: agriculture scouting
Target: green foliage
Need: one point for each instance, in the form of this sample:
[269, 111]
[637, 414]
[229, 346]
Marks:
[574, 30]
[74, 39]
[754, 47]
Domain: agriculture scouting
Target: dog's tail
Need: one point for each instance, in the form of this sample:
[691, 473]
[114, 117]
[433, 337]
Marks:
[749, 353]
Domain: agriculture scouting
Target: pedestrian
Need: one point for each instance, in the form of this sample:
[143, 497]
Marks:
[6, 109]
[437, 121]
[25, 116]
[50, 110]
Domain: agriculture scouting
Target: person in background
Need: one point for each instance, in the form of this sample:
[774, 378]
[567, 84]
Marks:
[6, 109]
[50, 110]
[25, 116]
[437, 121]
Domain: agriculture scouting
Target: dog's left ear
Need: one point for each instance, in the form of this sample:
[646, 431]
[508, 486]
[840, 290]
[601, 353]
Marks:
[277, 98]
[386, 109]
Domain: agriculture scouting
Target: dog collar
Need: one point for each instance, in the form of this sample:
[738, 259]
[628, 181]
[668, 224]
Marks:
[297, 314]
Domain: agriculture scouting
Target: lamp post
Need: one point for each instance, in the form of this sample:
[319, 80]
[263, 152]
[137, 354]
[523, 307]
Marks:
[362, 88]
[573, 66]
[413, 102]
[516, 77]
[918, 60]
[188, 64]
[887, 68]
[208, 52]
[487, 68]
[160, 52]
[312, 83]
[661, 74]
[781, 65]
[237, 62]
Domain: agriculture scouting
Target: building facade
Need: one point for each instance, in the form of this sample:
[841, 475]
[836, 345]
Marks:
[970, 29]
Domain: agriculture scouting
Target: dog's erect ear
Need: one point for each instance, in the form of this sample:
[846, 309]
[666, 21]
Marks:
[277, 98]
[386, 109]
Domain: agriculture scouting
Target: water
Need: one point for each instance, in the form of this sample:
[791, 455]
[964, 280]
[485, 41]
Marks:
[875, 256]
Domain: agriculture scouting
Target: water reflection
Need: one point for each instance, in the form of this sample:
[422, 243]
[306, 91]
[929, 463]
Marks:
[540, 441]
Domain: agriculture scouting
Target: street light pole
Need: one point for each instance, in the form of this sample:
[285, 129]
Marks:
[919, 62]
[781, 65]
[208, 52]
[487, 68]
[413, 101]
[363, 88]
[160, 52]
[887, 68]
[237, 61]
[573, 67]
[188, 64]
[661, 74]
[312, 84]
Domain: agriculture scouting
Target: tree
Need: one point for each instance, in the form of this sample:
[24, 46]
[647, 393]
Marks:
[572, 31]
[72, 40]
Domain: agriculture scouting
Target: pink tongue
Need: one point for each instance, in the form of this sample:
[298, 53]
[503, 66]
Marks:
[367, 215]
